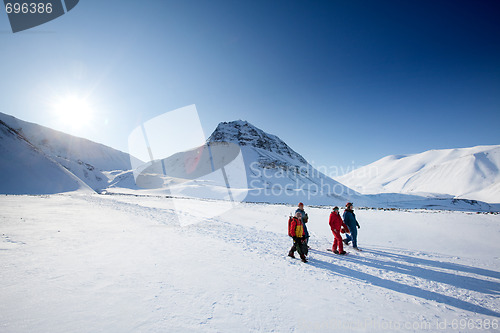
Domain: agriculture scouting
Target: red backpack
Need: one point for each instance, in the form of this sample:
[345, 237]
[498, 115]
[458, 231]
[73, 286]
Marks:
[291, 227]
[295, 227]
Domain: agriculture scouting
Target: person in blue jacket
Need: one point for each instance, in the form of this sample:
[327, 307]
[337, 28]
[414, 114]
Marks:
[305, 218]
[350, 219]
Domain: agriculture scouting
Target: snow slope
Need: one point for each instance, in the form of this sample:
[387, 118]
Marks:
[24, 169]
[117, 263]
[89, 161]
[470, 173]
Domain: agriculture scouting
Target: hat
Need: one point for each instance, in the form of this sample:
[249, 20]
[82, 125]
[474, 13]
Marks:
[348, 204]
[301, 204]
[335, 208]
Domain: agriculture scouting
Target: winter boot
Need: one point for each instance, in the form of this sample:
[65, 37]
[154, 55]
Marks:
[335, 251]
[303, 258]
[343, 252]
[290, 254]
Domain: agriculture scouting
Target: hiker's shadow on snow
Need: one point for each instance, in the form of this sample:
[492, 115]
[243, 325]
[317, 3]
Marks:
[424, 269]
[438, 264]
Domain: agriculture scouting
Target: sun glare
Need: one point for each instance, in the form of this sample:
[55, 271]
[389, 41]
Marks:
[73, 111]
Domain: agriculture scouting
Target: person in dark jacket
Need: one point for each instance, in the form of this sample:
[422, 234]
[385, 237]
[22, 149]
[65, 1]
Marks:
[336, 224]
[352, 223]
[305, 218]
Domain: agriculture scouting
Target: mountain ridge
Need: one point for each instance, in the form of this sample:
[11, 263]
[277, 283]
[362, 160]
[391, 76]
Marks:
[468, 173]
[89, 161]
[68, 146]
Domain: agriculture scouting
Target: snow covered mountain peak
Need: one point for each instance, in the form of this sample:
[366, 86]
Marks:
[245, 134]
[276, 173]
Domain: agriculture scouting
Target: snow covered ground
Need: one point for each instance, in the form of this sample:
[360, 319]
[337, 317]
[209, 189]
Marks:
[122, 263]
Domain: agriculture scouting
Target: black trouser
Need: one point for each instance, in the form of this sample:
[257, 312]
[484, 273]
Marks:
[299, 246]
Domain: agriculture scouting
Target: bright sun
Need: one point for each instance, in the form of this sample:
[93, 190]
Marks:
[73, 111]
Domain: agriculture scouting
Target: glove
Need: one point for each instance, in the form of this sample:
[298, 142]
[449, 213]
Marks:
[357, 225]
[342, 231]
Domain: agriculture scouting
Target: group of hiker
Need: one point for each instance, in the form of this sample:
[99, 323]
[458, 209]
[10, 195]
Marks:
[347, 224]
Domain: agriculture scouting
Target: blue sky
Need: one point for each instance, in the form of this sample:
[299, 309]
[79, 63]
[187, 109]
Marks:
[342, 82]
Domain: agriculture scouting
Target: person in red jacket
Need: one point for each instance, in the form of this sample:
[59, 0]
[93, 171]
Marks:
[336, 224]
[296, 231]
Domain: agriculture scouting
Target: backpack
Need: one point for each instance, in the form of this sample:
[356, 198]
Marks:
[291, 229]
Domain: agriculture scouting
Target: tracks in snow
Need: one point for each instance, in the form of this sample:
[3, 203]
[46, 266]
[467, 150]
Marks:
[420, 275]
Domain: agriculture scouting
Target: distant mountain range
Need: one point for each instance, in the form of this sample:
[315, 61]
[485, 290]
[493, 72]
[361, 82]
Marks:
[242, 162]
[468, 173]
